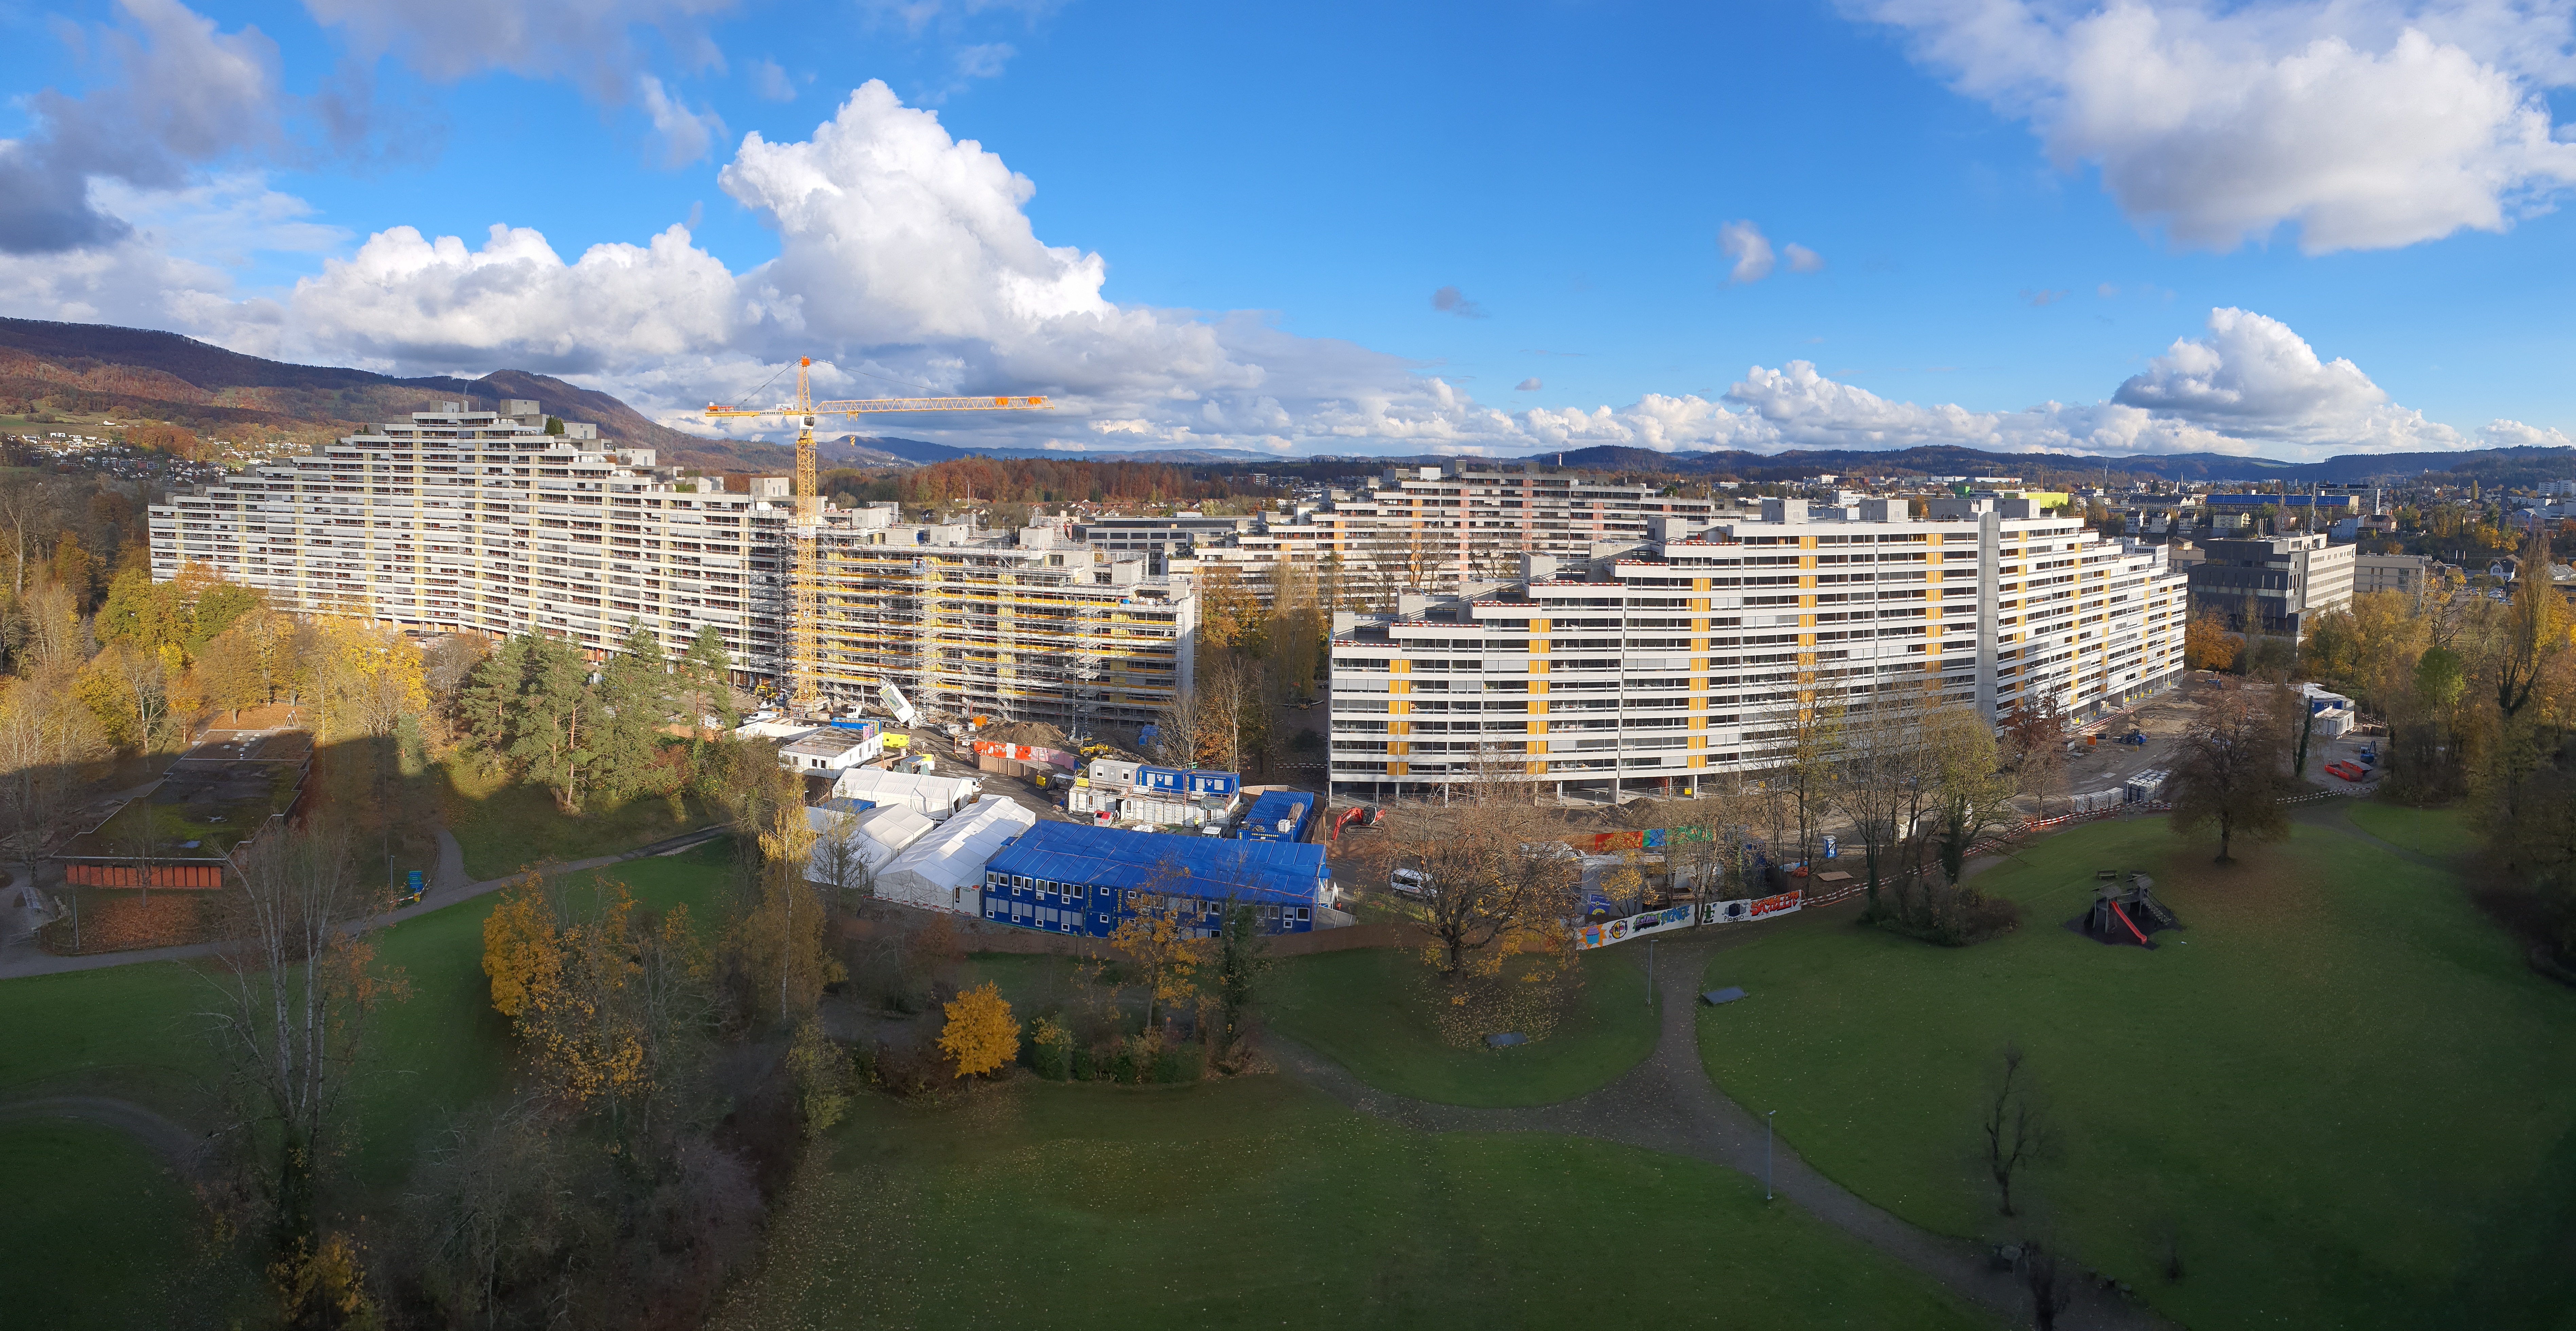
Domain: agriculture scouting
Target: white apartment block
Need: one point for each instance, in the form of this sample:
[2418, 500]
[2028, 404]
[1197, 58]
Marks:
[480, 522]
[1437, 529]
[1645, 674]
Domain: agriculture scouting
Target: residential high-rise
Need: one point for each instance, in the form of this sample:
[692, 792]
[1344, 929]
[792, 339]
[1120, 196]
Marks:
[1649, 673]
[482, 522]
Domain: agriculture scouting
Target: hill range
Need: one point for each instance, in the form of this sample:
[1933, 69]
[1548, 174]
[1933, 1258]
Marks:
[102, 369]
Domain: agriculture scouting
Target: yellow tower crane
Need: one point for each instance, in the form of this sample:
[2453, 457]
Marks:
[805, 580]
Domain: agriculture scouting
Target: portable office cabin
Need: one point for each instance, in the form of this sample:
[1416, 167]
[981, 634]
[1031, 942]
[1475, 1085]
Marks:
[1279, 815]
[1068, 878]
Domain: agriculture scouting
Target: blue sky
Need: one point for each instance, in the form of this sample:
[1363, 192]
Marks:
[2287, 229]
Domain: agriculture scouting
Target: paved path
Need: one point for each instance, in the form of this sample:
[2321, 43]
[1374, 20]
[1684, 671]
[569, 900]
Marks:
[447, 888]
[1669, 1104]
[176, 1145]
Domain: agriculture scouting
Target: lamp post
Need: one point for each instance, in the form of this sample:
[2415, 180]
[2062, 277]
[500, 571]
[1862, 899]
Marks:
[1766, 1154]
[1650, 972]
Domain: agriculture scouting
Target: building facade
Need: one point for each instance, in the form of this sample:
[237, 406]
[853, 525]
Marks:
[2391, 573]
[1652, 672]
[2282, 582]
[1437, 529]
[481, 522]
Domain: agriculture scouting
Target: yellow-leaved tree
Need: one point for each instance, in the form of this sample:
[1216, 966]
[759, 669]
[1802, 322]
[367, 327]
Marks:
[604, 1002]
[981, 1034]
[368, 678]
[522, 948]
[1164, 952]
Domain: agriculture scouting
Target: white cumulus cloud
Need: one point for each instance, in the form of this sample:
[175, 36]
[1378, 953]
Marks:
[2360, 123]
[906, 259]
[1751, 250]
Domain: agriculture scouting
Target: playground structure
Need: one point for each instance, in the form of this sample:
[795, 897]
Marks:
[2125, 910]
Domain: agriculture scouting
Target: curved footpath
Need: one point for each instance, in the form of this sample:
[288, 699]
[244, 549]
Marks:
[177, 1146]
[448, 887]
[1669, 1104]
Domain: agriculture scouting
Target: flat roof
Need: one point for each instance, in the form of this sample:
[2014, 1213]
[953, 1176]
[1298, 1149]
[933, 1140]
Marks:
[1271, 872]
[217, 795]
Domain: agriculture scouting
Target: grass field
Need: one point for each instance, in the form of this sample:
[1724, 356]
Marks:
[86, 1200]
[130, 1032]
[2441, 833]
[1259, 1202]
[2339, 1089]
[504, 827]
[1364, 1010]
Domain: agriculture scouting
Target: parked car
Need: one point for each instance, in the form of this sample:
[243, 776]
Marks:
[1410, 882]
[2347, 771]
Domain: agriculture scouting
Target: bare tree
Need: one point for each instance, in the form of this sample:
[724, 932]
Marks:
[2232, 773]
[1494, 873]
[1882, 771]
[294, 979]
[2017, 1132]
[48, 743]
[841, 862]
[2035, 734]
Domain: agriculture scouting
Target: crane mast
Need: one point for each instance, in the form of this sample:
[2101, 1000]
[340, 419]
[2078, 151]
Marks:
[805, 575]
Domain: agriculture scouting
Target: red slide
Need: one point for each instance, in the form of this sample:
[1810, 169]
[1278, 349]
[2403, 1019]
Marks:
[2124, 919]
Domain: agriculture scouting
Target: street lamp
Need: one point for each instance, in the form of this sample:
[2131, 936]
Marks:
[1766, 1154]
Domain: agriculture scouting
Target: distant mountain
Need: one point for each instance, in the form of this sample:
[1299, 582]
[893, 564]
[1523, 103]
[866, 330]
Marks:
[137, 373]
[100, 370]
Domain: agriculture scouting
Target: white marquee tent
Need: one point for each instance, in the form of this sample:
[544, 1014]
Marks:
[945, 870]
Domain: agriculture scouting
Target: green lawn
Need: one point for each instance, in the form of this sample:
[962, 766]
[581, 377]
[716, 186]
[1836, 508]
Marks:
[2441, 833]
[1259, 1202]
[2340, 1087]
[1363, 1009]
[94, 1230]
[504, 828]
[130, 1032]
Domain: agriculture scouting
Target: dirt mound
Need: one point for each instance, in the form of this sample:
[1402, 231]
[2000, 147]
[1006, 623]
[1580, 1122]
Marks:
[1035, 733]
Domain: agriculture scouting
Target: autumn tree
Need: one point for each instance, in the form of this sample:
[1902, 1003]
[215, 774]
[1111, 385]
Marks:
[1163, 953]
[820, 1072]
[367, 679]
[1968, 796]
[2533, 631]
[776, 938]
[2207, 645]
[609, 1002]
[2232, 771]
[981, 1035]
[49, 742]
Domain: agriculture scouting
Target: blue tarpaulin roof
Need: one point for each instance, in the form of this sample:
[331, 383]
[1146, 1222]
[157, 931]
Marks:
[1274, 805]
[1262, 871]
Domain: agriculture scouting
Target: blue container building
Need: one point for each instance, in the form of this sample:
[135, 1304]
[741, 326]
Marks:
[1262, 822]
[1072, 878]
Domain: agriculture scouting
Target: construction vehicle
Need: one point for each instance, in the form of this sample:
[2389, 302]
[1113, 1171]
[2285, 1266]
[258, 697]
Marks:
[804, 694]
